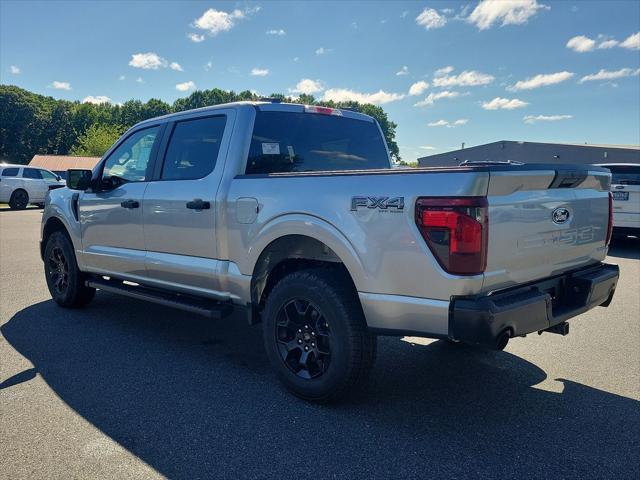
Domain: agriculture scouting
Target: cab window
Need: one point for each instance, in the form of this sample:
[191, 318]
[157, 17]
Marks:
[129, 162]
[193, 149]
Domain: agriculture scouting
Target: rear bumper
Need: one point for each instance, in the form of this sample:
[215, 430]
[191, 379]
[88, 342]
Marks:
[482, 320]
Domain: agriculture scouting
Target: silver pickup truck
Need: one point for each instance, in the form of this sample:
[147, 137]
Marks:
[293, 216]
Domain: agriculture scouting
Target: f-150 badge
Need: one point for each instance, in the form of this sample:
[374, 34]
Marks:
[385, 204]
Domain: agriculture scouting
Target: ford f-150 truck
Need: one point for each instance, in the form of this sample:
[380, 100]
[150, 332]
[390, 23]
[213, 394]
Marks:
[293, 216]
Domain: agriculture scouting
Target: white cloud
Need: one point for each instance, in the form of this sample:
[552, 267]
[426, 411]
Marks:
[97, 100]
[121, 77]
[152, 61]
[610, 75]
[433, 97]
[506, 12]
[322, 51]
[499, 103]
[259, 72]
[632, 42]
[427, 147]
[418, 88]
[541, 80]
[60, 85]
[605, 44]
[307, 86]
[215, 21]
[196, 37]
[147, 61]
[344, 95]
[186, 86]
[467, 78]
[279, 32]
[139, 80]
[531, 119]
[430, 18]
[403, 71]
[14, 70]
[448, 124]
[581, 44]
[444, 71]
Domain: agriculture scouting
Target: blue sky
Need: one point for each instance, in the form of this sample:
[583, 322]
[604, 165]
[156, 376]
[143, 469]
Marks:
[446, 72]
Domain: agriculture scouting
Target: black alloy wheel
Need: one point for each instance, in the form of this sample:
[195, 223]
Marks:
[58, 270]
[303, 337]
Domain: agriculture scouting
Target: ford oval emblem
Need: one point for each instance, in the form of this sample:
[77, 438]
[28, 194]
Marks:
[560, 215]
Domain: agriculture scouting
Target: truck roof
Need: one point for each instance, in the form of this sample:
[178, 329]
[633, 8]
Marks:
[259, 105]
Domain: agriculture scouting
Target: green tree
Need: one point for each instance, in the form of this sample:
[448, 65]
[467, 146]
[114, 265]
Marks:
[32, 123]
[97, 140]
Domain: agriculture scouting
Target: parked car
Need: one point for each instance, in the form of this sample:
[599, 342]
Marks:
[21, 185]
[625, 187]
[293, 215]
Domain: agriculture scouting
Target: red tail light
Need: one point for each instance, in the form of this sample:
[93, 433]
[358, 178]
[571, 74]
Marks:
[610, 225]
[322, 110]
[456, 231]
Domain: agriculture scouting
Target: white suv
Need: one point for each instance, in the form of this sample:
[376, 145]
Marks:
[625, 187]
[21, 185]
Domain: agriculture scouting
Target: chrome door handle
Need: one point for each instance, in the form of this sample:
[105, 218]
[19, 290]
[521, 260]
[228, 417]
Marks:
[198, 204]
[130, 204]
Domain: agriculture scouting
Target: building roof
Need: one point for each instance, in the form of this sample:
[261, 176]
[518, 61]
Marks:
[63, 162]
[588, 145]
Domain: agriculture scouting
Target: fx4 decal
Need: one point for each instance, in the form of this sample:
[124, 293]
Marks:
[385, 204]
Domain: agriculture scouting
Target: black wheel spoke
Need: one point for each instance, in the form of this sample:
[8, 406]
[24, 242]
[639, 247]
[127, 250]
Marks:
[303, 338]
[58, 270]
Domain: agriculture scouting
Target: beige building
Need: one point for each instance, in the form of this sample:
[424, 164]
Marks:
[59, 164]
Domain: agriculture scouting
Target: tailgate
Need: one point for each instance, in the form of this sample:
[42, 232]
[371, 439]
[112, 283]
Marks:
[544, 220]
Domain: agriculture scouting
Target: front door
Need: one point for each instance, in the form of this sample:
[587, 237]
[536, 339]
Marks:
[111, 217]
[179, 207]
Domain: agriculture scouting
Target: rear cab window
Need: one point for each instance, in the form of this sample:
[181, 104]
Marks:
[309, 142]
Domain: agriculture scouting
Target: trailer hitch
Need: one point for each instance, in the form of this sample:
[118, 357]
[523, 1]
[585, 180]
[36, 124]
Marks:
[561, 328]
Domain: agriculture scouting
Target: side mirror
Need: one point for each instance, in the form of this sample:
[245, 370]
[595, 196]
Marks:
[58, 177]
[79, 179]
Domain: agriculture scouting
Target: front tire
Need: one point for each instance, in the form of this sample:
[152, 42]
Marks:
[64, 280]
[316, 336]
[19, 200]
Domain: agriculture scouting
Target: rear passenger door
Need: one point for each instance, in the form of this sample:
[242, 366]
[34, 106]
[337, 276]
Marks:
[180, 204]
[34, 184]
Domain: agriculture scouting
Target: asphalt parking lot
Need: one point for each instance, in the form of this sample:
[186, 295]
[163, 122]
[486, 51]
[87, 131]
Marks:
[130, 390]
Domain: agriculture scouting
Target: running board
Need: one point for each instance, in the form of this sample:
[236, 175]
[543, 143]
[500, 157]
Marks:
[189, 303]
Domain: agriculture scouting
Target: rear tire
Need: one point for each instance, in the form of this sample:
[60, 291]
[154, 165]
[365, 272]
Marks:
[64, 280]
[19, 200]
[316, 336]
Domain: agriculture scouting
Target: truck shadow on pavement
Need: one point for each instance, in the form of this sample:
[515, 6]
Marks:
[628, 247]
[196, 399]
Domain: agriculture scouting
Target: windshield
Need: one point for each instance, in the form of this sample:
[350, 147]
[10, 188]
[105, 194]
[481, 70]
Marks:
[624, 174]
[309, 142]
